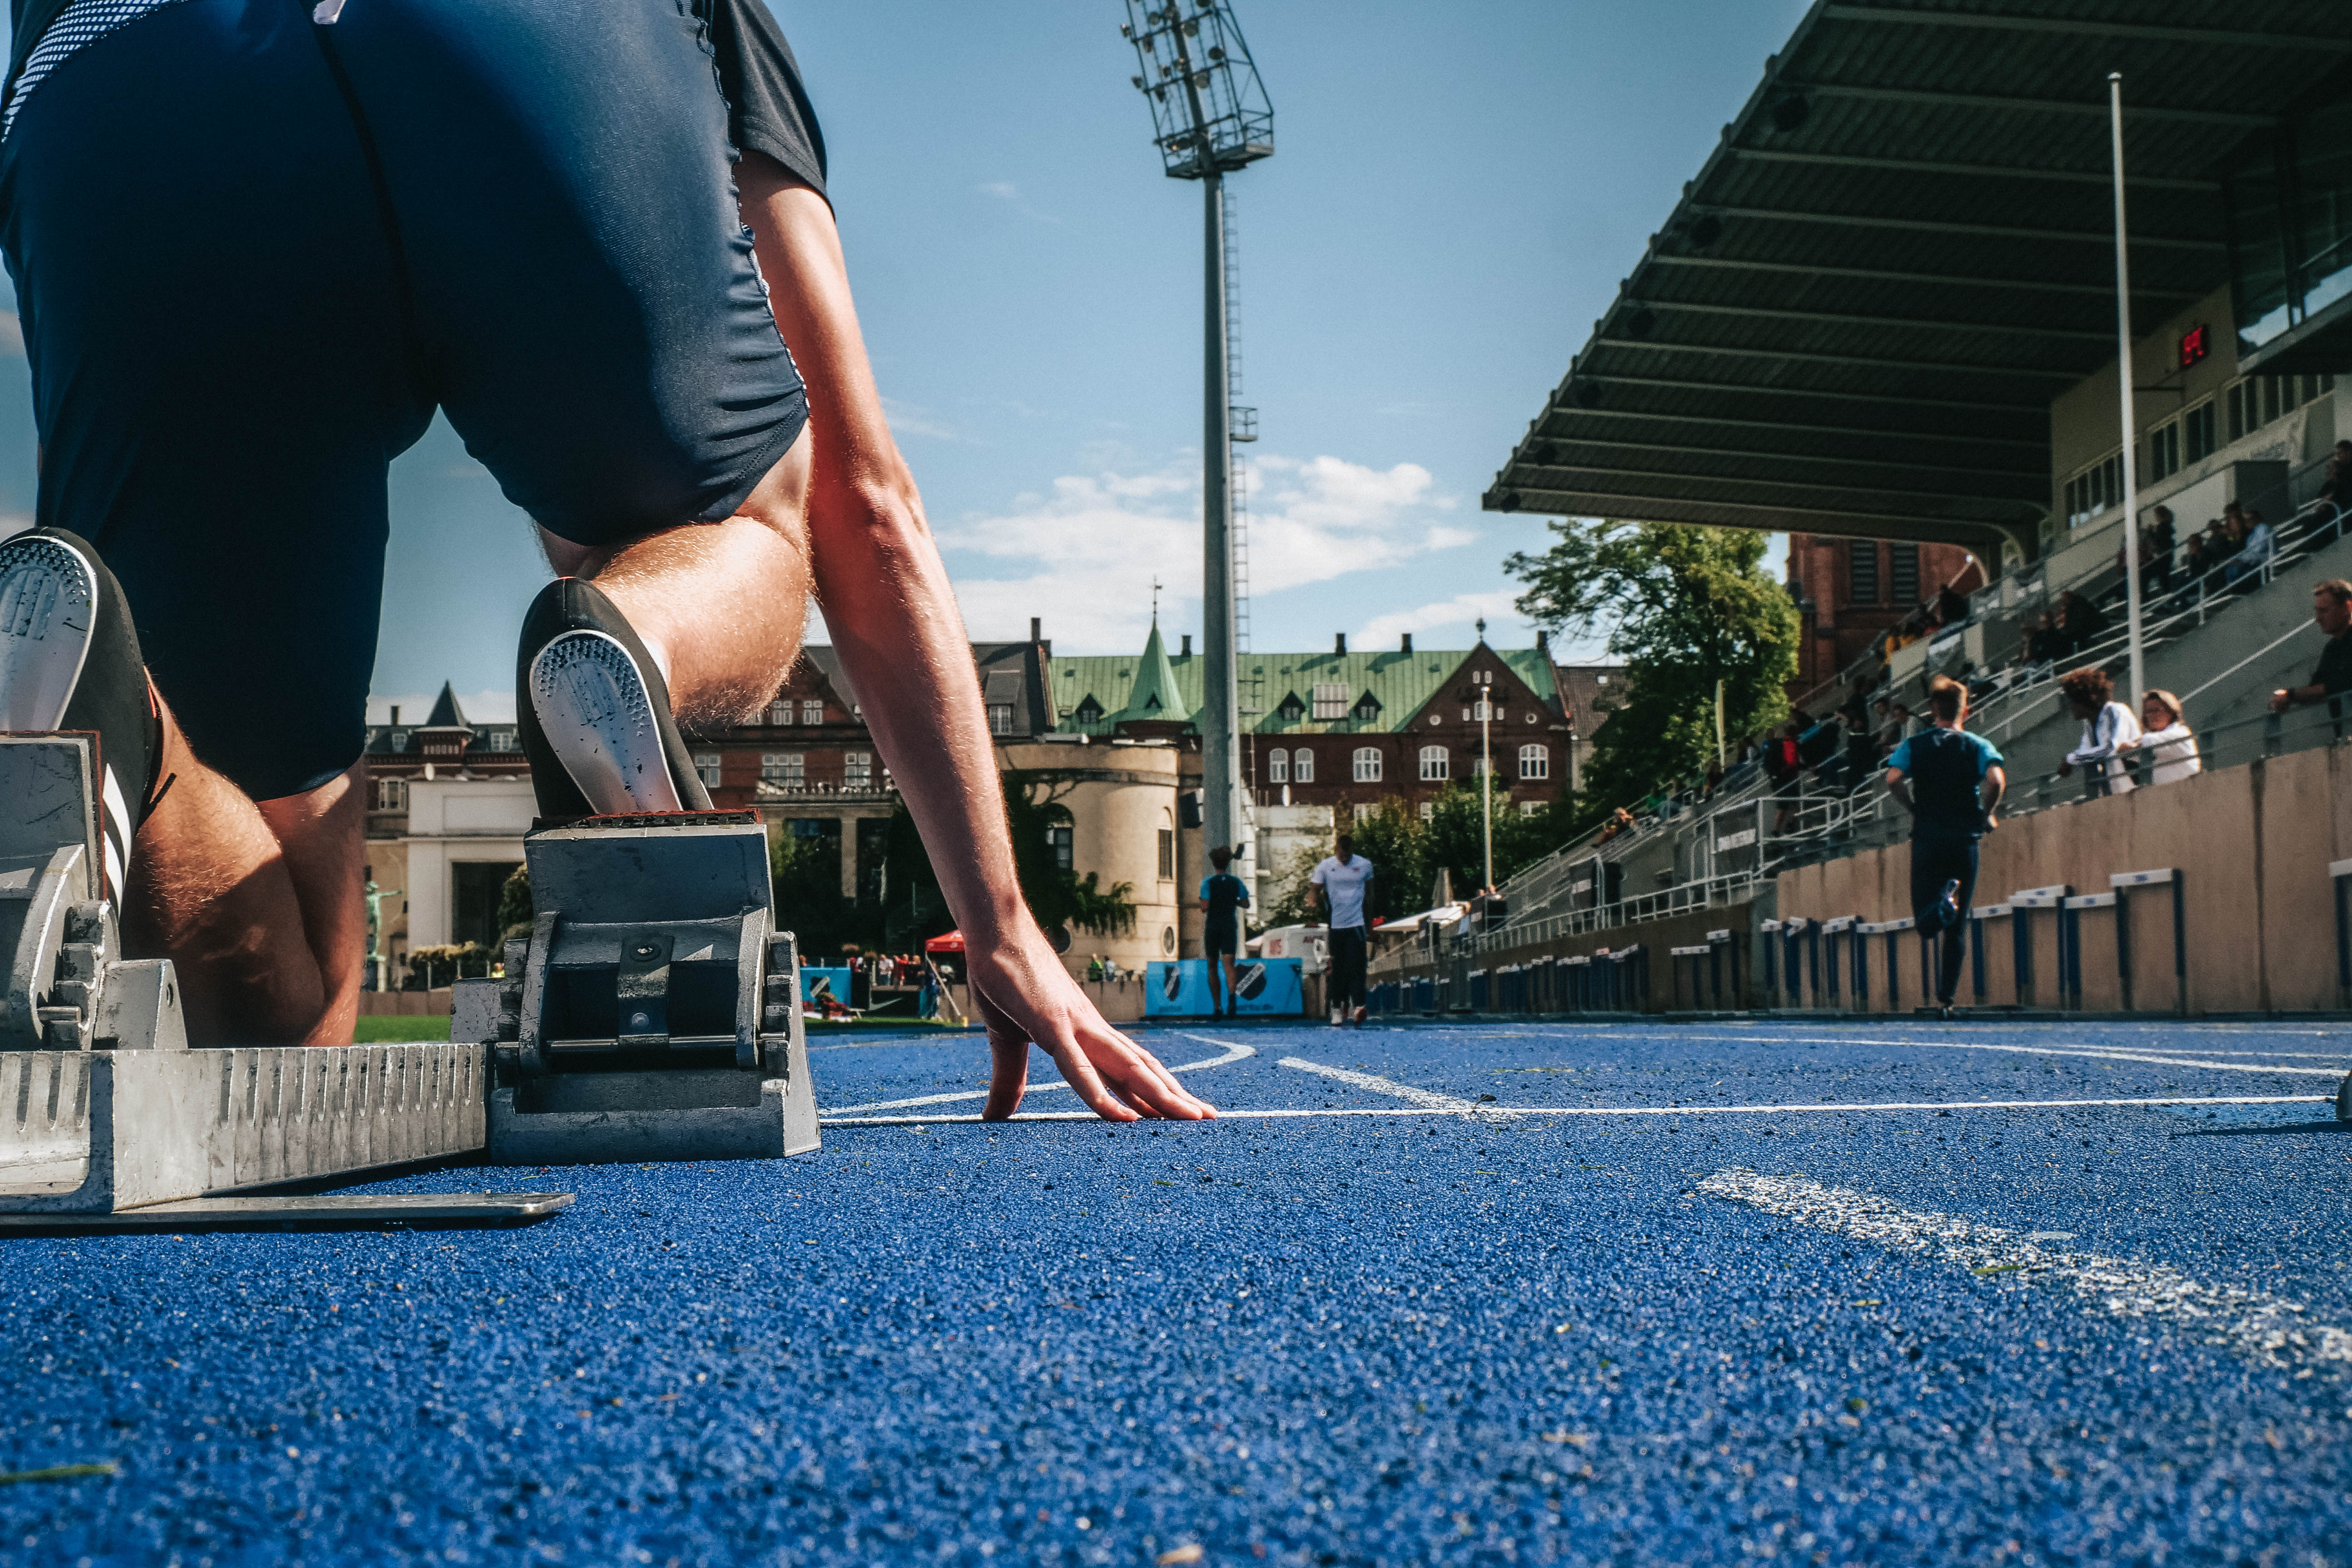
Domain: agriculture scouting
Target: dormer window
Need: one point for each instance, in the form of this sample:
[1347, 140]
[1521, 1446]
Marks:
[1368, 708]
[400, 740]
[1088, 712]
[1290, 711]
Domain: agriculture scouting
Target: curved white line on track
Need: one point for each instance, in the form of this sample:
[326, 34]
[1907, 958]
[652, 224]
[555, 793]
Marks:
[2084, 1051]
[1235, 1051]
[2267, 1329]
[834, 1119]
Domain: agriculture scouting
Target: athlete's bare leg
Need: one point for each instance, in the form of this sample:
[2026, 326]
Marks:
[719, 606]
[258, 906]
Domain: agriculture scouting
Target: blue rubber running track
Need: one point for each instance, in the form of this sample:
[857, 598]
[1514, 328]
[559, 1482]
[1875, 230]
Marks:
[1707, 1294]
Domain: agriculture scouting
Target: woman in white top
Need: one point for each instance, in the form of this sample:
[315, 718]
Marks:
[2166, 735]
[2108, 727]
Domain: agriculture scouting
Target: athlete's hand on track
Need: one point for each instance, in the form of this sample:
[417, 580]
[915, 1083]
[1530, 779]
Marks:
[1024, 994]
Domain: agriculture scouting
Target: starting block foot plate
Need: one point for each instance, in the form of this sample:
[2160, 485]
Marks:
[331, 1211]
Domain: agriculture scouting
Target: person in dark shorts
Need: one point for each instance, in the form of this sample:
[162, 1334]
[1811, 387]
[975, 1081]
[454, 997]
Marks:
[1343, 880]
[1951, 781]
[1223, 896]
[586, 238]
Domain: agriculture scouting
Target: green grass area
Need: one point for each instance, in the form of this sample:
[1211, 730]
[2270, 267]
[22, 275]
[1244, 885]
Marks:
[382, 1031]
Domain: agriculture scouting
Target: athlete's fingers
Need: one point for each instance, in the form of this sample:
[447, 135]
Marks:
[1080, 1073]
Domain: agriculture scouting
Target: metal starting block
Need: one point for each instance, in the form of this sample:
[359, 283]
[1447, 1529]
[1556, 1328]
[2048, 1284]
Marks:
[653, 1011]
[651, 1015]
[105, 1111]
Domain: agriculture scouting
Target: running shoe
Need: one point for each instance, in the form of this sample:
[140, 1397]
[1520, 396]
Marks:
[69, 661]
[593, 713]
[1947, 903]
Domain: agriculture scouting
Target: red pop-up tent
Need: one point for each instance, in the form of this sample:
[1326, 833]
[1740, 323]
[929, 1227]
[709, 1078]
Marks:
[951, 942]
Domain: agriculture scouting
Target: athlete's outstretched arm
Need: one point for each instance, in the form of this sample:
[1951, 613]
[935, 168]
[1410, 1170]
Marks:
[894, 620]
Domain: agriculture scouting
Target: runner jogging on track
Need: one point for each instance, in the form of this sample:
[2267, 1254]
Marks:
[1952, 783]
[256, 244]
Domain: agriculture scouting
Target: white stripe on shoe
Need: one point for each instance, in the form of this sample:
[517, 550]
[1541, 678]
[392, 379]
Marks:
[114, 833]
[593, 707]
[48, 597]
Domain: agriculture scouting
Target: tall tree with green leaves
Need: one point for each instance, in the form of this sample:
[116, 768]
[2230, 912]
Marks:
[1686, 608]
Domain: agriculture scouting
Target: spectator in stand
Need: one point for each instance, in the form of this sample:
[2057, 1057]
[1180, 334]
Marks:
[1951, 606]
[2041, 639]
[2331, 606]
[2194, 561]
[1784, 764]
[2109, 728]
[2253, 554]
[2155, 564]
[1902, 727]
[2080, 620]
[2337, 486]
[2166, 739]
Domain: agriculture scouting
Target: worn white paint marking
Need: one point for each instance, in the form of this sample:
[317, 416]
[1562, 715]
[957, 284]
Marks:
[1234, 1051]
[1461, 1108]
[1426, 1098]
[2265, 1328]
[2026, 1051]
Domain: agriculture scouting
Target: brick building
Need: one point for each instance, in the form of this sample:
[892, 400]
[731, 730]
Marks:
[1850, 591]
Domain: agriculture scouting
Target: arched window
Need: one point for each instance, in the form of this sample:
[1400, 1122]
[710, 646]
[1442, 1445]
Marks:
[1535, 762]
[1434, 764]
[1278, 767]
[1368, 765]
[1302, 765]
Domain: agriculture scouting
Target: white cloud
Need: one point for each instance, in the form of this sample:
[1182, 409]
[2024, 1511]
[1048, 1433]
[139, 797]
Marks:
[1003, 190]
[911, 419]
[1461, 612]
[1082, 554]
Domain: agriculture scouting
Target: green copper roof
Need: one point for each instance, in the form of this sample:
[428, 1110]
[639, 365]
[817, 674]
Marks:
[1155, 694]
[1398, 685]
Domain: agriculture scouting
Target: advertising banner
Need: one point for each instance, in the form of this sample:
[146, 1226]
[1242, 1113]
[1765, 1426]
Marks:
[1266, 987]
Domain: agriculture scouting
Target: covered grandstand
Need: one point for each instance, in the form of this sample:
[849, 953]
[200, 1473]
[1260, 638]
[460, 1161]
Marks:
[1855, 320]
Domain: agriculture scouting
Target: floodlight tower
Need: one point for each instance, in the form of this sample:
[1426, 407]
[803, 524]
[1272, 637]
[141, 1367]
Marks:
[1210, 117]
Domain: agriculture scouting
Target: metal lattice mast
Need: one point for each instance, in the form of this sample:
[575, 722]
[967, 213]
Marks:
[1210, 117]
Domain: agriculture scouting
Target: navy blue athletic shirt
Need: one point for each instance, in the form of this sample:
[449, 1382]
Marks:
[1226, 895]
[1945, 768]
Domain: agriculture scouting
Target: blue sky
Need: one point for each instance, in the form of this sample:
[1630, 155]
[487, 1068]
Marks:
[1456, 191]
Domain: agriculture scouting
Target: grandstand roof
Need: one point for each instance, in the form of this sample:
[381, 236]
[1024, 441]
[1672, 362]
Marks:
[1856, 319]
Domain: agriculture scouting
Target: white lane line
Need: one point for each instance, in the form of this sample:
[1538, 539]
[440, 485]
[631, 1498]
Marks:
[1425, 1098]
[1235, 1051]
[2024, 1050]
[2268, 1330]
[1461, 1108]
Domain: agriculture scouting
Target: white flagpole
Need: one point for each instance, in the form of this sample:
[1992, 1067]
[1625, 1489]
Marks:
[2124, 391]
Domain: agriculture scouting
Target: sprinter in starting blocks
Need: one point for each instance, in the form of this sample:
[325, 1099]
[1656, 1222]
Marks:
[587, 246]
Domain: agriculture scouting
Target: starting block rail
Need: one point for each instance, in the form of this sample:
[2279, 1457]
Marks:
[653, 1013]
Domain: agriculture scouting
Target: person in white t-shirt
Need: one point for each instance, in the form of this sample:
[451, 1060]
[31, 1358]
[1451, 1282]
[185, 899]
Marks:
[2109, 729]
[2166, 737]
[1341, 882]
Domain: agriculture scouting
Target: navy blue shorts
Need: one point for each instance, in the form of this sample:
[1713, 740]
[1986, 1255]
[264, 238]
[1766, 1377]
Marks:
[253, 254]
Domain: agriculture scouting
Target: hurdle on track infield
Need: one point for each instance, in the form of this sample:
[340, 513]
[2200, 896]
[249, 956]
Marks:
[1976, 918]
[2123, 882]
[1767, 946]
[1719, 942]
[2070, 944]
[2337, 874]
[2021, 904]
[1832, 930]
[1892, 931]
